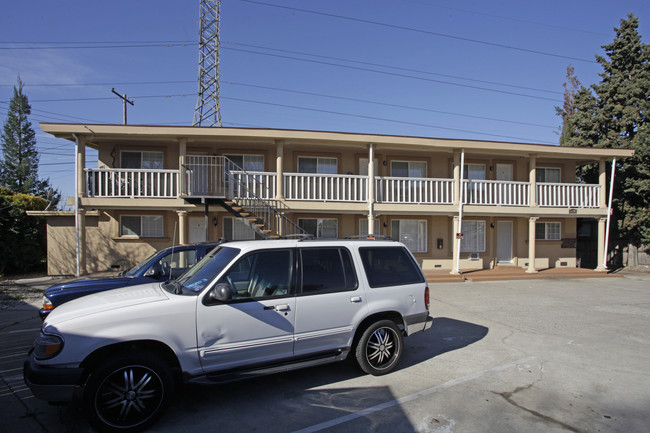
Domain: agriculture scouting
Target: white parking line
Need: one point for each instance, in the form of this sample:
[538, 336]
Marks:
[415, 396]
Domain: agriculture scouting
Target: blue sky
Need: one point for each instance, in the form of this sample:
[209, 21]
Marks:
[467, 69]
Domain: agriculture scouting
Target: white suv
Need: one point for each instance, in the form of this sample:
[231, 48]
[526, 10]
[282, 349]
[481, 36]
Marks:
[247, 308]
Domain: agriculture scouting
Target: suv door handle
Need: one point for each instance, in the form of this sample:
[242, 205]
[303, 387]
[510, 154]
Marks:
[281, 307]
[355, 299]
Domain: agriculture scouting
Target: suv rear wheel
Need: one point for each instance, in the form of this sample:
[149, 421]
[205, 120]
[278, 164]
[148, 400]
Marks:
[380, 348]
[128, 393]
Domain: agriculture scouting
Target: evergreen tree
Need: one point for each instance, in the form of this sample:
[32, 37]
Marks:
[613, 113]
[19, 165]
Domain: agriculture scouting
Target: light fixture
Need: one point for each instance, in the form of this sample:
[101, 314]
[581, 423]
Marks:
[215, 221]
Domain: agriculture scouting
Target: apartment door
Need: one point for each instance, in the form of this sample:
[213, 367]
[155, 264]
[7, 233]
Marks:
[504, 242]
[197, 229]
[505, 172]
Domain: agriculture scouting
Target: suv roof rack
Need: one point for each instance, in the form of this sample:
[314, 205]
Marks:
[299, 236]
[370, 237]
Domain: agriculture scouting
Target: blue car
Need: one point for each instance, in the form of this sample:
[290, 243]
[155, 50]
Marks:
[167, 264]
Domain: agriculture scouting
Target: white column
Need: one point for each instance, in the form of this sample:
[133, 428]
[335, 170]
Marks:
[532, 179]
[371, 189]
[182, 227]
[531, 245]
[279, 170]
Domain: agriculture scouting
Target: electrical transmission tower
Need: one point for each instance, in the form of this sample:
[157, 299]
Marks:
[207, 105]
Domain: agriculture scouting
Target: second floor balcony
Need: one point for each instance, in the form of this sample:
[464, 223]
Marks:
[215, 177]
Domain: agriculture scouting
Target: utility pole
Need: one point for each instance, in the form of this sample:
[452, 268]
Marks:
[207, 105]
[124, 101]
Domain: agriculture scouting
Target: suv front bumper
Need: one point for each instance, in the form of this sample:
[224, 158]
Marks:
[53, 384]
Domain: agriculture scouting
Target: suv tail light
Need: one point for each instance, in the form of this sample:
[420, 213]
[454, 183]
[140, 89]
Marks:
[426, 297]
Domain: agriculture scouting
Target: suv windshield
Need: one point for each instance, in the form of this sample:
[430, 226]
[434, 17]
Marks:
[195, 280]
[134, 270]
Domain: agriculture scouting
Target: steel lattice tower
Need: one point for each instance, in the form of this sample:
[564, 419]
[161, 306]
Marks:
[207, 106]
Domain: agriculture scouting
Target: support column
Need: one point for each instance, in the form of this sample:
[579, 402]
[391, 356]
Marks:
[531, 245]
[457, 181]
[279, 170]
[602, 224]
[182, 227]
[455, 250]
[371, 189]
[602, 181]
[532, 179]
[82, 242]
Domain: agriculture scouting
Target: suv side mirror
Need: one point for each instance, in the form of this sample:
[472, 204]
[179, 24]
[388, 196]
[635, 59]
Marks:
[221, 292]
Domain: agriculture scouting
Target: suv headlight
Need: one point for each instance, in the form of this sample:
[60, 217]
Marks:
[47, 346]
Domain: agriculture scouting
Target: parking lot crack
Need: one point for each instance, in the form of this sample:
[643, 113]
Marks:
[508, 396]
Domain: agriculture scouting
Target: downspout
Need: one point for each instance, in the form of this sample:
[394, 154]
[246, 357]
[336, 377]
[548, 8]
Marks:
[460, 208]
[371, 190]
[609, 211]
[76, 204]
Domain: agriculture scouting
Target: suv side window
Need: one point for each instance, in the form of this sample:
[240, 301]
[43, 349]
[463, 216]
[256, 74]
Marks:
[389, 266]
[262, 274]
[327, 270]
[179, 262]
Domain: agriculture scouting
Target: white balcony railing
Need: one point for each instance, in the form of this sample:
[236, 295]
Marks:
[325, 187]
[496, 193]
[414, 190]
[207, 176]
[257, 183]
[574, 195]
[112, 182]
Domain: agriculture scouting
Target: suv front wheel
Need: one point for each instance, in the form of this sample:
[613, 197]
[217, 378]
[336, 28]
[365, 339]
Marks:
[127, 393]
[380, 348]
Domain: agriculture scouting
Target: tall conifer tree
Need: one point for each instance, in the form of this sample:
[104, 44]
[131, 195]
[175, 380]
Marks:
[613, 113]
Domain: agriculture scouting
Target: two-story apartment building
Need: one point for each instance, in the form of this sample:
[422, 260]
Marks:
[457, 204]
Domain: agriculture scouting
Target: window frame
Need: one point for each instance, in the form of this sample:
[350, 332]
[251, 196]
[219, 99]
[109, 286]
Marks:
[318, 220]
[160, 230]
[546, 224]
[422, 242]
[545, 170]
[463, 243]
[318, 159]
[408, 168]
[141, 153]
[243, 158]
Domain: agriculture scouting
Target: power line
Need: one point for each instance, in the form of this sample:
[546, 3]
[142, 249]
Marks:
[415, 30]
[361, 116]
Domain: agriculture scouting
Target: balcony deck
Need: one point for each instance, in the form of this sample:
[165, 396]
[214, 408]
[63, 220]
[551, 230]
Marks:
[196, 179]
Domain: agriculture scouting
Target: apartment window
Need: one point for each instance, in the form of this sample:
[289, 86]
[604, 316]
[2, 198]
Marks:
[548, 175]
[247, 162]
[412, 233]
[548, 231]
[408, 169]
[143, 160]
[363, 227]
[321, 228]
[473, 237]
[317, 165]
[237, 229]
[474, 171]
[143, 226]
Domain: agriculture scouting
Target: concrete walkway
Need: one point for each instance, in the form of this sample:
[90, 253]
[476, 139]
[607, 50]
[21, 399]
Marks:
[507, 273]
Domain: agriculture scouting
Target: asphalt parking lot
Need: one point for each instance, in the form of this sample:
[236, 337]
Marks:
[515, 356]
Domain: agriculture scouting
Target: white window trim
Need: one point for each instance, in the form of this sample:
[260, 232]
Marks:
[423, 241]
[546, 231]
[243, 157]
[538, 169]
[138, 236]
[426, 166]
[162, 154]
[478, 250]
[322, 219]
[318, 158]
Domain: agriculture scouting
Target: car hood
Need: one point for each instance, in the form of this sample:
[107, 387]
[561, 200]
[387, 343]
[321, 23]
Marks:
[90, 282]
[98, 303]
